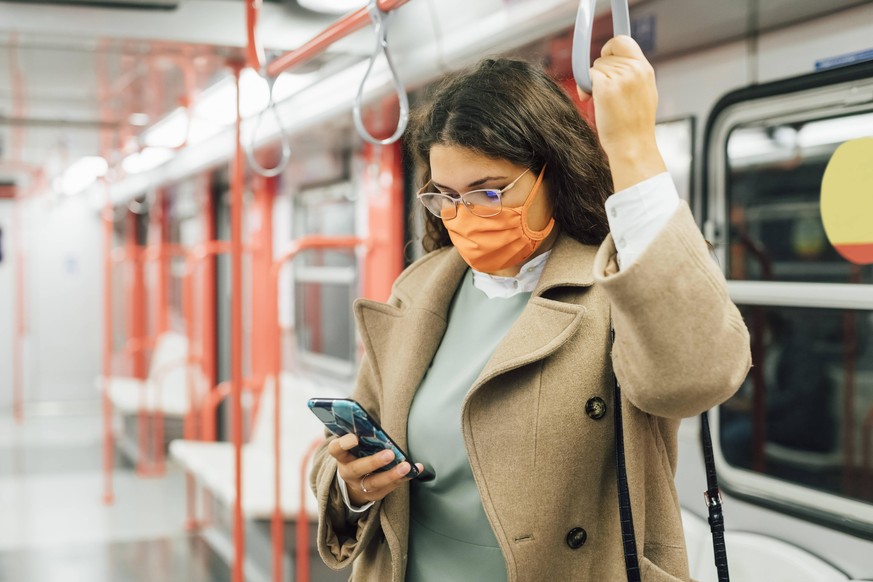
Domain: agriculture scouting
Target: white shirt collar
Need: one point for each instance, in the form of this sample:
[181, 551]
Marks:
[525, 282]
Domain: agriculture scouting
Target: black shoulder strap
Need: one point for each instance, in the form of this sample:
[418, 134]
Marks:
[712, 495]
[628, 540]
[713, 502]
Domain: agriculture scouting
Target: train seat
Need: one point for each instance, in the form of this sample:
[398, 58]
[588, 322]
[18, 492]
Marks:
[212, 463]
[753, 557]
[165, 389]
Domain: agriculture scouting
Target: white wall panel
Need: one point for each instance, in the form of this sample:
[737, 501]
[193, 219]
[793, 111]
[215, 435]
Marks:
[65, 291]
[7, 307]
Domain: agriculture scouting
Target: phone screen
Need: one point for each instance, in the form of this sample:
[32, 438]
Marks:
[343, 415]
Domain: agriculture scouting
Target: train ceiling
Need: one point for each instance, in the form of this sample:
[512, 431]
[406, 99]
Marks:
[75, 71]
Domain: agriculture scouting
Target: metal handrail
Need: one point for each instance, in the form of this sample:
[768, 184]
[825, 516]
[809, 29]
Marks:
[380, 20]
[286, 141]
[255, 59]
[336, 31]
[583, 32]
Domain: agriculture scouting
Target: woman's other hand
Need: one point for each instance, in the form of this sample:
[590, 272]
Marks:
[359, 473]
[625, 105]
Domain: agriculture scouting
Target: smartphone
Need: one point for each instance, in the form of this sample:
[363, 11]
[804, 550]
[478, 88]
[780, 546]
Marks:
[343, 415]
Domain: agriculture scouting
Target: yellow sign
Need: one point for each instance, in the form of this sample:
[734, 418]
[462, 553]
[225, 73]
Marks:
[847, 200]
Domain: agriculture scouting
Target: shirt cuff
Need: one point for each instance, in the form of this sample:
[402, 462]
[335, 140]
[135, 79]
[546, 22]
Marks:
[637, 214]
[345, 493]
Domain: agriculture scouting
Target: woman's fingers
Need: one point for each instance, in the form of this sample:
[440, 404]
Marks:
[623, 46]
[339, 448]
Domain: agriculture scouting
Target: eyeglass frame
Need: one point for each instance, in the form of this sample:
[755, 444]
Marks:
[460, 198]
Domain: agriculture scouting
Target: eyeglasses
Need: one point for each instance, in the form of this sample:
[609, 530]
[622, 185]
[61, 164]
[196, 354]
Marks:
[484, 203]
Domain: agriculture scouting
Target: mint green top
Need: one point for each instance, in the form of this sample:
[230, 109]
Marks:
[450, 539]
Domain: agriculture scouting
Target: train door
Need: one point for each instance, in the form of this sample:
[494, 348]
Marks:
[794, 444]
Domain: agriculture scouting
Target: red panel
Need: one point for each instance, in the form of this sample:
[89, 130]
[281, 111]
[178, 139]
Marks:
[860, 253]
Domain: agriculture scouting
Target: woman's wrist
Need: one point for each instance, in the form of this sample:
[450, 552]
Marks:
[633, 162]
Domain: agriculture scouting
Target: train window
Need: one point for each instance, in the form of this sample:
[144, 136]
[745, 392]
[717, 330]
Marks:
[774, 181]
[675, 139]
[799, 433]
[326, 282]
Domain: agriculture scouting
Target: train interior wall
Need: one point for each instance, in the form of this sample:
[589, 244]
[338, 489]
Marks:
[7, 303]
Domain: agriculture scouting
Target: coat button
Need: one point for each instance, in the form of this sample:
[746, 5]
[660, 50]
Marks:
[595, 408]
[576, 537]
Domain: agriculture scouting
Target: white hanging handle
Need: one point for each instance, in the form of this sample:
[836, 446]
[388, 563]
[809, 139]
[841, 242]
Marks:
[583, 32]
[286, 141]
[380, 22]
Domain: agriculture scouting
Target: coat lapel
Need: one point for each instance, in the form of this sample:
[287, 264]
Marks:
[546, 322]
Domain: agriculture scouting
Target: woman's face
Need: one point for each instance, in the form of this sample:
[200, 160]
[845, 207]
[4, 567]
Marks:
[456, 170]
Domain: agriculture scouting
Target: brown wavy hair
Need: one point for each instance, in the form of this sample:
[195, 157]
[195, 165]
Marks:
[511, 110]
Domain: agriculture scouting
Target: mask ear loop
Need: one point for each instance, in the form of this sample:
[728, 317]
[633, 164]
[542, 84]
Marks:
[380, 22]
[535, 234]
[286, 141]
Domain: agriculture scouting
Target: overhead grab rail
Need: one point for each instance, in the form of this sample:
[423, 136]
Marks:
[256, 59]
[380, 20]
[376, 12]
[583, 33]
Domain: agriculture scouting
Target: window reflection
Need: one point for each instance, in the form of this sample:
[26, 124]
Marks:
[805, 412]
[774, 182]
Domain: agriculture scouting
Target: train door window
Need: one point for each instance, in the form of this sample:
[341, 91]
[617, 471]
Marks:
[326, 282]
[798, 433]
[675, 139]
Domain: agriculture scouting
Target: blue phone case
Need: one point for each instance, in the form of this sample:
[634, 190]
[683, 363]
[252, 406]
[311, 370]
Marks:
[343, 415]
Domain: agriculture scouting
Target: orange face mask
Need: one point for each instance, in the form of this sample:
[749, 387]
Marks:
[500, 241]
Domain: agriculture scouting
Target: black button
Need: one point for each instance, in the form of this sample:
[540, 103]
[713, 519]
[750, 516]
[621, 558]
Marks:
[595, 408]
[576, 538]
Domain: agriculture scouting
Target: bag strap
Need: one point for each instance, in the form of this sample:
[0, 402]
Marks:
[713, 502]
[628, 539]
[712, 494]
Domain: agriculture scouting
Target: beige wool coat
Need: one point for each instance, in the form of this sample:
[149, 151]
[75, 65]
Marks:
[544, 466]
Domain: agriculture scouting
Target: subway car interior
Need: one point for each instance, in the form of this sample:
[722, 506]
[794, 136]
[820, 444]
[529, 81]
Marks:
[193, 194]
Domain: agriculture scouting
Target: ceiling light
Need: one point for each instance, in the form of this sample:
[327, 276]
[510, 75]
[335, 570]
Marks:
[146, 160]
[81, 174]
[332, 6]
[169, 132]
[138, 119]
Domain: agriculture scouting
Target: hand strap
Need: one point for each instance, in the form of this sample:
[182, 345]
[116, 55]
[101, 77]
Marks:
[713, 502]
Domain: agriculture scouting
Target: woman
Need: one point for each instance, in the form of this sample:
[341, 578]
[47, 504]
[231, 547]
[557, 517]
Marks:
[492, 363]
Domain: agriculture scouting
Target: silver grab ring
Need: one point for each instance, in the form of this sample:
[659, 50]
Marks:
[286, 141]
[583, 32]
[380, 22]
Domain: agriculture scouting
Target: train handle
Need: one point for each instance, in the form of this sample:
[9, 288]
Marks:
[286, 140]
[583, 32]
[380, 22]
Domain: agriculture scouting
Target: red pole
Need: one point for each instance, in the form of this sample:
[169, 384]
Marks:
[20, 324]
[236, 330]
[108, 441]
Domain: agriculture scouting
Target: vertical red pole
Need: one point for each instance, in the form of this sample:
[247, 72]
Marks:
[20, 322]
[236, 331]
[108, 442]
[384, 260]
[135, 312]
[189, 428]
[278, 525]
[208, 274]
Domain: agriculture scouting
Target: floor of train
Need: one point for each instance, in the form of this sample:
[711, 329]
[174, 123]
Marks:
[54, 526]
